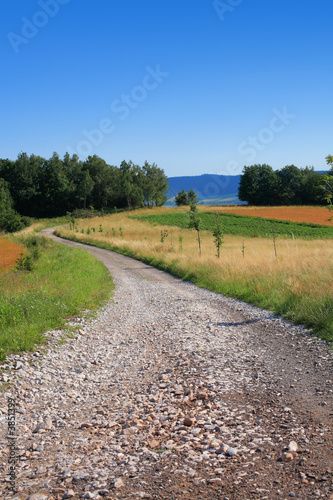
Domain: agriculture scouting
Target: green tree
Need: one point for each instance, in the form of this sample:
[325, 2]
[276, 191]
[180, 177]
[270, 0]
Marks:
[85, 187]
[73, 168]
[131, 184]
[249, 185]
[329, 161]
[55, 187]
[154, 185]
[328, 184]
[6, 202]
[101, 175]
[258, 185]
[291, 182]
[192, 197]
[311, 187]
[23, 177]
[10, 220]
[181, 198]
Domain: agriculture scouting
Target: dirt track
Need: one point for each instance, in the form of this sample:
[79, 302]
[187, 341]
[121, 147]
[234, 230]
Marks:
[174, 392]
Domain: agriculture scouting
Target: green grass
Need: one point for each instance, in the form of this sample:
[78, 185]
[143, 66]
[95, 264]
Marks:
[245, 225]
[63, 283]
[272, 292]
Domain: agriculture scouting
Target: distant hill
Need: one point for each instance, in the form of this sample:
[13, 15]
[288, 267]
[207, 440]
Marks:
[211, 189]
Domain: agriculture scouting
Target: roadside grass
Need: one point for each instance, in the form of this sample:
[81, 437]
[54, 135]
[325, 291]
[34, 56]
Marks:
[63, 283]
[39, 224]
[296, 284]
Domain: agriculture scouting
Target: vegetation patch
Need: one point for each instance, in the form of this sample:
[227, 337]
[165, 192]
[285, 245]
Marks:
[244, 225]
[62, 283]
[293, 279]
[9, 253]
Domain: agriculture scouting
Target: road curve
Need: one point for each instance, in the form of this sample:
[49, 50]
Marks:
[173, 392]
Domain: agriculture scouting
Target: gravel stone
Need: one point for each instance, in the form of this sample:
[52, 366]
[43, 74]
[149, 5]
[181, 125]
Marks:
[158, 398]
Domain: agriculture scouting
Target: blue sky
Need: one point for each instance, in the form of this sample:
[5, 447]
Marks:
[195, 86]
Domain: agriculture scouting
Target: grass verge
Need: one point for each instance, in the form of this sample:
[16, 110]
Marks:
[301, 294]
[62, 283]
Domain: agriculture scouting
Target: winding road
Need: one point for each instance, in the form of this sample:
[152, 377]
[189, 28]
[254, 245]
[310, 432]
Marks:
[172, 392]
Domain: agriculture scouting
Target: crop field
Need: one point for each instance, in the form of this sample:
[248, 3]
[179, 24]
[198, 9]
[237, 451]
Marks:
[293, 279]
[245, 225]
[9, 253]
[311, 215]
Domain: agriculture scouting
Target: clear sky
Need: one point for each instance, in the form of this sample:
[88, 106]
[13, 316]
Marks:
[195, 86]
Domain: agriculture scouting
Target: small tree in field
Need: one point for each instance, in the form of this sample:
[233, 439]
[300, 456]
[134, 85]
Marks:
[194, 222]
[218, 235]
[192, 197]
[186, 198]
[328, 186]
[181, 239]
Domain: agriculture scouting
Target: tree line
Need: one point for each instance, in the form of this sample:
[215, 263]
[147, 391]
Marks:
[261, 185]
[36, 187]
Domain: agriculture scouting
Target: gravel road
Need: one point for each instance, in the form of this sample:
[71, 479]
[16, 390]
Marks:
[171, 392]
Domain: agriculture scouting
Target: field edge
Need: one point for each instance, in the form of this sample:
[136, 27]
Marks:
[315, 325]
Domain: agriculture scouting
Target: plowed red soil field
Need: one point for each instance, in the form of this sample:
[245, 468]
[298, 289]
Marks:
[316, 215]
[9, 252]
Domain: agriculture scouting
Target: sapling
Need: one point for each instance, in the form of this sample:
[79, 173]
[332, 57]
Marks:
[100, 228]
[218, 235]
[25, 263]
[71, 222]
[164, 235]
[274, 246]
[194, 223]
[113, 232]
[181, 239]
[121, 231]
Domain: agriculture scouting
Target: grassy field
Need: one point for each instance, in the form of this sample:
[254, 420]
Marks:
[245, 225]
[297, 283]
[63, 283]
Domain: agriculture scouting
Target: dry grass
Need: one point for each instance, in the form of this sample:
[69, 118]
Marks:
[9, 253]
[302, 266]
